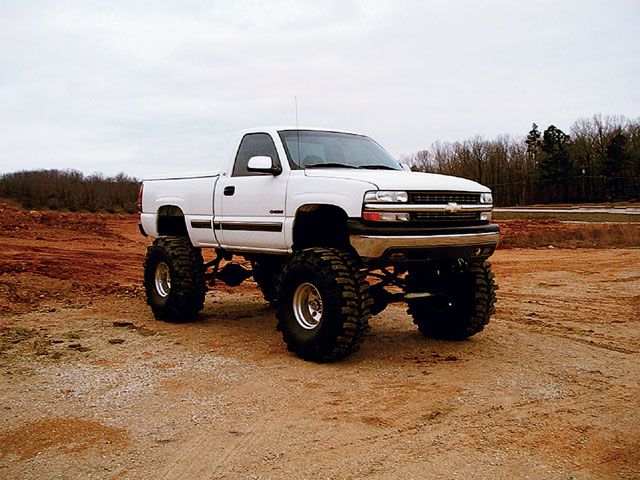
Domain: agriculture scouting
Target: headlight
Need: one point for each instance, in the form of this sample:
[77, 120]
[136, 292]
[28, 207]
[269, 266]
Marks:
[486, 198]
[386, 196]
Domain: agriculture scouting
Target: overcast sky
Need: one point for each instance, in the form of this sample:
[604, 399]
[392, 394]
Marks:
[144, 87]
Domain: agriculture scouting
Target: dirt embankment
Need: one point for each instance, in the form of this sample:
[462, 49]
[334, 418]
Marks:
[66, 259]
[91, 386]
[557, 234]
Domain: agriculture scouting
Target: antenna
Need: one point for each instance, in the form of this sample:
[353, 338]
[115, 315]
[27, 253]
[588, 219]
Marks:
[298, 131]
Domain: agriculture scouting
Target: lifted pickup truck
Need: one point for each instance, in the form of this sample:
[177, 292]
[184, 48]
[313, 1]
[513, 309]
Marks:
[334, 230]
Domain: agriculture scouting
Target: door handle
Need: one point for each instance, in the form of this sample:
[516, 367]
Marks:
[230, 190]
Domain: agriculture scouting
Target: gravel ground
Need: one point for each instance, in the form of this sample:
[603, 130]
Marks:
[91, 386]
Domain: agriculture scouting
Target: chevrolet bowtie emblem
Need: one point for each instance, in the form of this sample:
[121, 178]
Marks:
[452, 207]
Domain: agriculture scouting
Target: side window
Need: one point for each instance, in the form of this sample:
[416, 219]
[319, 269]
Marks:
[252, 145]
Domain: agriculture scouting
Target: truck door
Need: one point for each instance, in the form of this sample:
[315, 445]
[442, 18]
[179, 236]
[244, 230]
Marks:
[252, 204]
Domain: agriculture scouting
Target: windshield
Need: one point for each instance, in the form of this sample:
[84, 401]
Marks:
[318, 149]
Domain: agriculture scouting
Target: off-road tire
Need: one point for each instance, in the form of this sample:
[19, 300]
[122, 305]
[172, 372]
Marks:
[463, 303]
[265, 273]
[184, 297]
[345, 302]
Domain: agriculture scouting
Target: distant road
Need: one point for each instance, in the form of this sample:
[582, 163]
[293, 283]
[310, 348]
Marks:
[592, 209]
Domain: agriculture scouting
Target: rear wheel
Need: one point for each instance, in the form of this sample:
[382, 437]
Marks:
[174, 279]
[462, 302]
[323, 304]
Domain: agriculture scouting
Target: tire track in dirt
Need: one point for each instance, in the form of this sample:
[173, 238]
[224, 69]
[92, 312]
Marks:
[250, 441]
[585, 336]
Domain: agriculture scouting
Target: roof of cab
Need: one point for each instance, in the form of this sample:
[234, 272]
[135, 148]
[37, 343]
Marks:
[278, 128]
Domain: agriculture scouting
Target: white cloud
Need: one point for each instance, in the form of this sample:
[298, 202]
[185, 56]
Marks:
[142, 88]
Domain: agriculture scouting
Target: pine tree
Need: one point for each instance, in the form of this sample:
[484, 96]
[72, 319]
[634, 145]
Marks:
[615, 165]
[533, 141]
[555, 164]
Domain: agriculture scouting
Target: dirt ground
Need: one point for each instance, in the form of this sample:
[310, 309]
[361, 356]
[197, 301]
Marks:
[91, 386]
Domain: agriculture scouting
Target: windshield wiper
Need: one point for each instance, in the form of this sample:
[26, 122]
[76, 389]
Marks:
[329, 165]
[377, 167]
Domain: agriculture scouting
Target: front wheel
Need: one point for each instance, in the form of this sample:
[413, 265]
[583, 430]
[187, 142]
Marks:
[174, 279]
[323, 304]
[462, 301]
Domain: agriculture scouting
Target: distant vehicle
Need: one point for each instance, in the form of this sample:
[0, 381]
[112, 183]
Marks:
[335, 230]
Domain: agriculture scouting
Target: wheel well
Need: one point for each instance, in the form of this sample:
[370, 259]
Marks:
[171, 221]
[320, 226]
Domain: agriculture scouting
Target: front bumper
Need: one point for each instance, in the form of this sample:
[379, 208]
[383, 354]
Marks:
[411, 244]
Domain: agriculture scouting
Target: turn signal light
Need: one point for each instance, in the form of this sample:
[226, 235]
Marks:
[385, 217]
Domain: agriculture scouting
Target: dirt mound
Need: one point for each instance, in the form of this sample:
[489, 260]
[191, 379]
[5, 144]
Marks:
[87, 255]
[60, 259]
[16, 222]
[545, 233]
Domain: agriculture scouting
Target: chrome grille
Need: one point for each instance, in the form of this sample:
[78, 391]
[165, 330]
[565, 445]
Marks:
[445, 217]
[431, 198]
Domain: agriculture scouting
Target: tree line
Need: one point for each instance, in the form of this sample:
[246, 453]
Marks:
[71, 190]
[598, 160]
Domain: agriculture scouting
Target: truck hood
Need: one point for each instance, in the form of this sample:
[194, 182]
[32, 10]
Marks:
[400, 180]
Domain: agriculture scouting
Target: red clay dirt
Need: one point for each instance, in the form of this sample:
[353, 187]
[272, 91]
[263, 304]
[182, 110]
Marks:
[554, 233]
[91, 386]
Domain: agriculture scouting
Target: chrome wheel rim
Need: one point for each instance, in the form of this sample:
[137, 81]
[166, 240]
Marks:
[163, 279]
[307, 306]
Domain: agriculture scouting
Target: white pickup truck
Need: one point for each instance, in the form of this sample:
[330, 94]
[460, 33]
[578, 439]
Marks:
[334, 229]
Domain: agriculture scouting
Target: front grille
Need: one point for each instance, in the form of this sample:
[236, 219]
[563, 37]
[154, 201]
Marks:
[446, 218]
[440, 198]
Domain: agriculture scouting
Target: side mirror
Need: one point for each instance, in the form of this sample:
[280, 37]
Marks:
[263, 164]
[406, 167]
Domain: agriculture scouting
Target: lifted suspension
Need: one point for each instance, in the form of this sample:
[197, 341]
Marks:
[232, 274]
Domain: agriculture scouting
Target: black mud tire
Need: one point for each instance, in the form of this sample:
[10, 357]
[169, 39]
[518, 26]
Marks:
[464, 301]
[265, 273]
[183, 297]
[344, 294]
